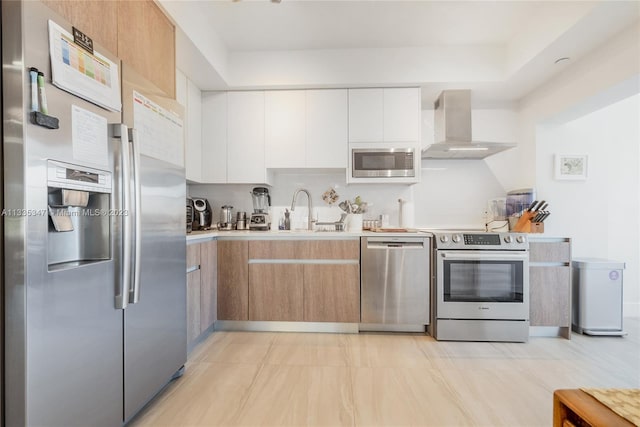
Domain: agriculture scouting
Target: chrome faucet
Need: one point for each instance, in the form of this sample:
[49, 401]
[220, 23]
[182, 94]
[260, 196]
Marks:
[293, 206]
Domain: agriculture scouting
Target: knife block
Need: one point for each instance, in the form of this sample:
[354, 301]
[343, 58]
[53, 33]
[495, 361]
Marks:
[524, 224]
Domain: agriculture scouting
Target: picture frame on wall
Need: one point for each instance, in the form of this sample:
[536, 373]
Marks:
[571, 166]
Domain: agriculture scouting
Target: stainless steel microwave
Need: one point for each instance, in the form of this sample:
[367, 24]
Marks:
[383, 162]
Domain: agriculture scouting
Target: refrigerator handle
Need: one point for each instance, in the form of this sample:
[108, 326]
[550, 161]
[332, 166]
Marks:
[134, 291]
[123, 202]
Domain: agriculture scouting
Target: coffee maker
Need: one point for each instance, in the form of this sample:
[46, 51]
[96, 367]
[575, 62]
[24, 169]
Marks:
[202, 213]
[260, 219]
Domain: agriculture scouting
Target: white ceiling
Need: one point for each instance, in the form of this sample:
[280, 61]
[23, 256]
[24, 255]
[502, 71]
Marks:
[500, 49]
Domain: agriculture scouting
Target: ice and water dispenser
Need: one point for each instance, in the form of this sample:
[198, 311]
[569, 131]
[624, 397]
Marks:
[80, 214]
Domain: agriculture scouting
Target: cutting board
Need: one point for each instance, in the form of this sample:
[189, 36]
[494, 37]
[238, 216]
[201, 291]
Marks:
[389, 230]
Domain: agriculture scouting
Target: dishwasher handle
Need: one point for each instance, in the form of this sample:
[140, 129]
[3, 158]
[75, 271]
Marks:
[395, 245]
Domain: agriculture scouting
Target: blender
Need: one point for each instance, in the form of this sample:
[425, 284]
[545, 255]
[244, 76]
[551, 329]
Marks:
[260, 219]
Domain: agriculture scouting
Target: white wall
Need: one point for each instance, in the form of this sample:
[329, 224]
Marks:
[600, 214]
[606, 76]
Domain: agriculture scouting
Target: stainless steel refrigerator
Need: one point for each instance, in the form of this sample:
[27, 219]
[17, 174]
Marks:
[94, 246]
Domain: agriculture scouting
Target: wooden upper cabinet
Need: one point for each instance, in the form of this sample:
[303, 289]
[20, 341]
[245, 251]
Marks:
[138, 32]
[97, 19]
[146, 41]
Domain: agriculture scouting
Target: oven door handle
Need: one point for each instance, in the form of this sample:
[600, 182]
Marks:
[487, 256]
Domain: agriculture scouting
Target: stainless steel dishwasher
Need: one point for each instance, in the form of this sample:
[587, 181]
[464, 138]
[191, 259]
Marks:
[395, 274]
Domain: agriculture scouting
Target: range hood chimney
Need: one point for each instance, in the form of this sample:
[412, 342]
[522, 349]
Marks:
[452, 125]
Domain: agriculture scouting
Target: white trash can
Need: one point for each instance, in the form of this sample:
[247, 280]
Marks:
[597, 296]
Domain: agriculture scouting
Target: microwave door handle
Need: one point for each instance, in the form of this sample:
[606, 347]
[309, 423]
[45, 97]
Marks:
[122, 202]
[134, 291]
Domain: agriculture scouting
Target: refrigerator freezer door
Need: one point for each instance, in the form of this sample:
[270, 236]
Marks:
[155, 327]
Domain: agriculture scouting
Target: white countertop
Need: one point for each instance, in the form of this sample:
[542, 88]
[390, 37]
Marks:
[200, 236]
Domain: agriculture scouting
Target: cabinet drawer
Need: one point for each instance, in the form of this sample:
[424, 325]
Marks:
[550, 251]
[330, 249]
[193, 256]
[274, 249]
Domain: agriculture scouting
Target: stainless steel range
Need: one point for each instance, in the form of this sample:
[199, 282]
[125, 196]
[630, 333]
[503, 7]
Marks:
[481, 290]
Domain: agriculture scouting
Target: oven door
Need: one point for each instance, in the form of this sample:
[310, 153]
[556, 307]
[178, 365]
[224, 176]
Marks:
[482, 285]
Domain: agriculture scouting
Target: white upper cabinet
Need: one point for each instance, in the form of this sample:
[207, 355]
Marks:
[366, 112]
[193, 157]
[384, 115]
[214, 137]
[326, 130]
[402, 114]
[245, 137]
[189, 95]
[285, 128]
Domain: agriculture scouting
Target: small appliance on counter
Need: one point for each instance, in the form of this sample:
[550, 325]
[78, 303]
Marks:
[189, 214]
[260, 218]
[202, 214]
[226, 218]
[241, 221]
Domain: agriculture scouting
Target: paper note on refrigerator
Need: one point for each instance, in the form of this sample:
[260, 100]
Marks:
[90, 76]
[160, 131]
[89, 136]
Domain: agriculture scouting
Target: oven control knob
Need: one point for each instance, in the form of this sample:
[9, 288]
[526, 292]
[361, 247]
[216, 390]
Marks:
[444, 239]
[508, 239]
[521, 239]
[456, 238]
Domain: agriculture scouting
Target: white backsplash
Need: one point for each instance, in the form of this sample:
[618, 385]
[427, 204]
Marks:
[452, 194]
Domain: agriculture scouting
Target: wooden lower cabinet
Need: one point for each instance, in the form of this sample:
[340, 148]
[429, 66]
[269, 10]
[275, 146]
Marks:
[550, 283]
[193, 293]
[550, 296]
[332, 293]
[275, 292]
[208, 284]
[233, 280]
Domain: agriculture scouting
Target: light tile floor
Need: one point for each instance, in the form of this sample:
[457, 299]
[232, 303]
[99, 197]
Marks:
[371, 379]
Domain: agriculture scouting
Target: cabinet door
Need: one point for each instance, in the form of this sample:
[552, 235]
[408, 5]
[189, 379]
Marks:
[327, 129]
[330, 249]
[146, 41]
[97, 19]
[275, 292]
[332, 293]
[366, 113]
[550, 292]
[402, 114]
[193, 292]
[550, 251]
[284, 128]
[233, 280]
[214, 137]
[245, 137]
[208, 284]
[193, 146]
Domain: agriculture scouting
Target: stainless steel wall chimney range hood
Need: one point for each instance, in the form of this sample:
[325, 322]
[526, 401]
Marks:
[452, 125]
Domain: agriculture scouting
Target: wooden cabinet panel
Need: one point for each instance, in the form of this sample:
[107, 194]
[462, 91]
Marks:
[193, 256]
[550, 251]
[208, 284]
[330, 249]
[233, 280]
[193, 306]
[332, 293]
[275, 292]
[97, 19]
[146, 41]
[550, 293]
[274, 249]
